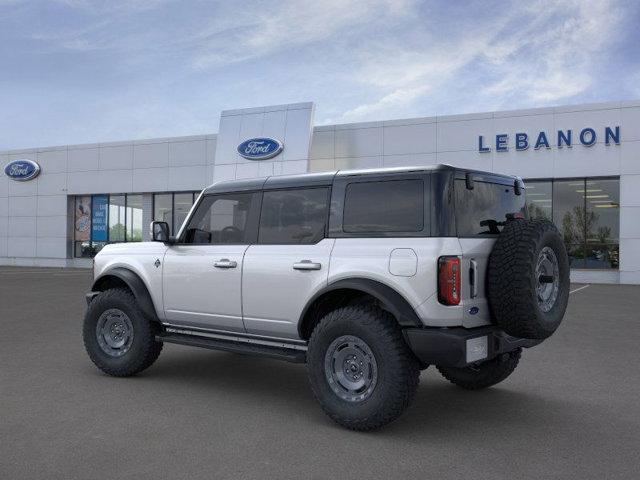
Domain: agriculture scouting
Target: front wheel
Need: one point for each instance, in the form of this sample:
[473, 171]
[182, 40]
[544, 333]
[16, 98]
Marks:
[486, 374]
[361, 371]
[119, 339]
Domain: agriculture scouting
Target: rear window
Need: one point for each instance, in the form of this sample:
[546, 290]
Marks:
[385, 206]
[483, 210]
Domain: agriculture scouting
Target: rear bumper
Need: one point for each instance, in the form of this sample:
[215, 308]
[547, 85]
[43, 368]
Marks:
[460, 347]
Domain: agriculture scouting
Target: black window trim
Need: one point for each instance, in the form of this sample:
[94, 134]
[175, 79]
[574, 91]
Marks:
[325, 231]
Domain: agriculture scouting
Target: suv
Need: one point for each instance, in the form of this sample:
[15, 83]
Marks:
[367, 276]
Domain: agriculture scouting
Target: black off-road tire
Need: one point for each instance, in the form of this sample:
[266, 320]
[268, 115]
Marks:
[513, 281]
[484, 375]
[398, 371]
[144, 349]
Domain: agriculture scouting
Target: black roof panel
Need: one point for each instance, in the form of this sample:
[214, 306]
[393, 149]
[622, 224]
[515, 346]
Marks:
[326, 178]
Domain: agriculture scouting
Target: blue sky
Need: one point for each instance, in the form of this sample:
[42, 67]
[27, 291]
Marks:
[77, 71]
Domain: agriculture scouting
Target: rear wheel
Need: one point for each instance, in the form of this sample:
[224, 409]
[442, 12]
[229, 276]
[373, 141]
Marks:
[361, 371]
[484, 375]
[119, 339]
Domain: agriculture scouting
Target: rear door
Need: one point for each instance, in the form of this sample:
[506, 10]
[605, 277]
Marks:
[290, 261]
[480, 214]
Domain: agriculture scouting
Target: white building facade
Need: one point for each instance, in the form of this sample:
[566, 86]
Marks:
[581, 165]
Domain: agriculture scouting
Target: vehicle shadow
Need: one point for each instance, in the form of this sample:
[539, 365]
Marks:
[440, 410]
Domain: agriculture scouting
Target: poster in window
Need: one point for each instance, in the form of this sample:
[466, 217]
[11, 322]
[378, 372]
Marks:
[83, 219]
[99, 208]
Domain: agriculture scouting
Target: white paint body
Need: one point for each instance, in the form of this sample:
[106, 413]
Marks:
[264, 295]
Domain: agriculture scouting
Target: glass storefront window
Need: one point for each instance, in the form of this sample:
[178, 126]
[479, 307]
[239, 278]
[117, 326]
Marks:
[134, 218]
[82, 226]
[569, 217]
[587, 213]
[182, 203]
[173, 208]
[603, 223]
[163, 208]
[102, 219]
[539, 199]
[117, 218]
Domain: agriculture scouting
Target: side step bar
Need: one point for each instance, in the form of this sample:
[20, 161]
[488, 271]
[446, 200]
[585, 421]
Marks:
[287, 354]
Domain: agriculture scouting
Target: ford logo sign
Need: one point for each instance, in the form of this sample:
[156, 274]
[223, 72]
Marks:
[260, 148]
[474, 310]
[22, 170]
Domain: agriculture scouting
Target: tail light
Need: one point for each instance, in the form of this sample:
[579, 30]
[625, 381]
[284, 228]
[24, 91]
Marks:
[449, 280]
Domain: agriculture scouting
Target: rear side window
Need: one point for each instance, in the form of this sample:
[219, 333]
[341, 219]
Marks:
[483, 210]
[384, 206]
[296, 216]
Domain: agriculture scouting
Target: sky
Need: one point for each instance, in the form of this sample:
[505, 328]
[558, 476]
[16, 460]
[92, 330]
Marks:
[80, 71]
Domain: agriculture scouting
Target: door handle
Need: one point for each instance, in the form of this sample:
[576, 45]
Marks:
[307, 265]
[225, 263]
[473, 278]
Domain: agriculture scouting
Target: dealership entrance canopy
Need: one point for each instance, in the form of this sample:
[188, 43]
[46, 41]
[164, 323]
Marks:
[581, 164]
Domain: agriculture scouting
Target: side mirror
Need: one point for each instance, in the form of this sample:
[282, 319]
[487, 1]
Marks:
[160, 231]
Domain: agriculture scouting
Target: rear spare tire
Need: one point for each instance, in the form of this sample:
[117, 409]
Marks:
[528, 279]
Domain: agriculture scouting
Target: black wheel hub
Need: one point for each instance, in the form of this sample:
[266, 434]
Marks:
[114, 332]
[548, 276]
[351, 368]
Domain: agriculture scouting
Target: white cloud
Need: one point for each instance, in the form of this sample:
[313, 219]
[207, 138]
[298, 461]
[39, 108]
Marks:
[160, 67]
[544, 52]
[555, 63]
[288, 24]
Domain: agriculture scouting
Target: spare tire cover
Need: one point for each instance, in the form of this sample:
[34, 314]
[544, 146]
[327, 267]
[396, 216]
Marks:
[528, 279]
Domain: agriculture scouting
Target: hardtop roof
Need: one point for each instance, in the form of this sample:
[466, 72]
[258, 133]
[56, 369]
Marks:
[327, 178]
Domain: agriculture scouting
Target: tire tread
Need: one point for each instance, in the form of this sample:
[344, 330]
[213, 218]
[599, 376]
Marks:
[150, 348]
[404, 368]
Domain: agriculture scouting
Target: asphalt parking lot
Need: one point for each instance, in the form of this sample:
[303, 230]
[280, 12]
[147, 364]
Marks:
[571, 409]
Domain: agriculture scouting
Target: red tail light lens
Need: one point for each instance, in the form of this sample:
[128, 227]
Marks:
[449, 280]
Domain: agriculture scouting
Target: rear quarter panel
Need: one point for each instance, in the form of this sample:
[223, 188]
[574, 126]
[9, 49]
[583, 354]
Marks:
[370, 258]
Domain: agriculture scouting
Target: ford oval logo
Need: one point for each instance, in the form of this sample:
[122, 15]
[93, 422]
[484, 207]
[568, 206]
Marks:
[22, 170]
[474, 310]
[260, 148]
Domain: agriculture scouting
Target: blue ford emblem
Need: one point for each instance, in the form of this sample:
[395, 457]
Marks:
[260, 148]
[474, 310]
[22, 170]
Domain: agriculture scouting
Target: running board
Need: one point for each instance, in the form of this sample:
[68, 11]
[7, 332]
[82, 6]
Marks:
[287, 354]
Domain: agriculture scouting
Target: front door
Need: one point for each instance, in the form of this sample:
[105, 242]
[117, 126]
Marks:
[202, 275]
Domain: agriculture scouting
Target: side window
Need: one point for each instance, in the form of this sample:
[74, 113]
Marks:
[384, 206]
[296, 216]
[484, 210]
[220, 219]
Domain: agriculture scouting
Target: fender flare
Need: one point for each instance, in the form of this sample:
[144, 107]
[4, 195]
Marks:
[389, 298]
[135, 284]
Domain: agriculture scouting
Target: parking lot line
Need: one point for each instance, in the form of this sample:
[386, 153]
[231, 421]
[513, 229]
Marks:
[580, 288]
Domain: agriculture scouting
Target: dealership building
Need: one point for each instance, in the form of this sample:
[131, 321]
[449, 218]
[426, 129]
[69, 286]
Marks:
[581, 165]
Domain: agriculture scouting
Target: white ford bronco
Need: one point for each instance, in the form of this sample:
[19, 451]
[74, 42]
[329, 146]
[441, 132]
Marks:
[366, 276]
